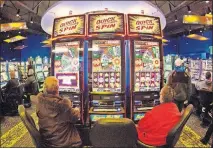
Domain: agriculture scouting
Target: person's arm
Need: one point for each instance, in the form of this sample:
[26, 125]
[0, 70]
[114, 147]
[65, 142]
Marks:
[69, 114]
[144, 124]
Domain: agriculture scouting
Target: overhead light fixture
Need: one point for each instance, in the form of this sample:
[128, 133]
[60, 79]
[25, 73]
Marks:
[201, 31]
[207, 2]
[189, 9]
[176, 19]
[31, 20]
[19, 32]
[17, 14]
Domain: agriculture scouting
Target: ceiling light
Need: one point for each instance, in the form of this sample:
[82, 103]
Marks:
[31, 20]
[17, 14]
[19, 32]
[207, 1]
[189, 9]
[176, 19]
[201, 31]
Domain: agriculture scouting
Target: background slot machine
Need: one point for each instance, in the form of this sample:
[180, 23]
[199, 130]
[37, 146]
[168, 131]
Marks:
[107, 99]
[168, 66]
[67, 71]
[46, 66]
[146, 77]
[14, 66]
[107, 72]
[38, 69]
[4, 74]
[195, 68]
[206, 66]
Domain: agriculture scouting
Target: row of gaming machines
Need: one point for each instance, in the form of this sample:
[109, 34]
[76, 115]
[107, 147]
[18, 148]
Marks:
[40, 66]
[198, 68]
[104, 70]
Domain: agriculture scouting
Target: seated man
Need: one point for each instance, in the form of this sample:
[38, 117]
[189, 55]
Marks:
[206, 84]
[13, 82]
[56, 117]
[154, 127]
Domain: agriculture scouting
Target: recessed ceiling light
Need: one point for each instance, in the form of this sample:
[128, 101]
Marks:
[207, 1]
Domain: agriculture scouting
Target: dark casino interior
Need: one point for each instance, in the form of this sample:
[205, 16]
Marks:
[106, 74]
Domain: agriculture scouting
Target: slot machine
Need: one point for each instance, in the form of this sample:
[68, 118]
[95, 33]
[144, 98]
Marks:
[146, 64]
[66, 63]
[38, 69]
[14, 66]
[206, 66]
[4, 74]
[195, 68]
[168, 66]
[46, 66]
[107, 57]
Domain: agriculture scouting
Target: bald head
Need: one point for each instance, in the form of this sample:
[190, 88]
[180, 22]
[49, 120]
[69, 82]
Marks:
[51, 85]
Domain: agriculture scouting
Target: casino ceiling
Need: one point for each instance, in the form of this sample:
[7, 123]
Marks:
[35, 9]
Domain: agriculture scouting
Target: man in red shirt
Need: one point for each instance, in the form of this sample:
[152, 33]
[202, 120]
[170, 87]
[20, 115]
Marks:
[154, 127]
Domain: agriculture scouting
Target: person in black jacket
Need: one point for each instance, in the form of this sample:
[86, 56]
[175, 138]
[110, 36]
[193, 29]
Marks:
[13, 82]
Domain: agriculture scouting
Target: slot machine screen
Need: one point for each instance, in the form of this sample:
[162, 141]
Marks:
[67, 66]
[147, 66]
[4, 77]
[39, 67]
[40, 76]
[106, 66]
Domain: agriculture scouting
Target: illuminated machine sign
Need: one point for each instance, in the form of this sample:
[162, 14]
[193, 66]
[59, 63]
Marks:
[67, 65]
[71, 25]
[14, 39]
[106, 23]
[141, 24]
[95, 117]
[13, 26]
[67, 81]
[194, 19]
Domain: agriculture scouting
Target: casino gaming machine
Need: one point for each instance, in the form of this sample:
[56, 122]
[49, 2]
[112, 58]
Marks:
[65, 56]
[195, 68]
[206, 66]
[38, 67]
[46, 66]
[168, 66]
[14, 66]
[4, 74]
[107, 55]
[146, 58]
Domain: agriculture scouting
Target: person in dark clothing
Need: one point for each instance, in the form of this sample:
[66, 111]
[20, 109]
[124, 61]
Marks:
[208, 135]
[180, 81]
[13, 82]
[10, 104]
[29, 89]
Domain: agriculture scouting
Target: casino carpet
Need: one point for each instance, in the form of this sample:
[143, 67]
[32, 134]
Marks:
[14, 133]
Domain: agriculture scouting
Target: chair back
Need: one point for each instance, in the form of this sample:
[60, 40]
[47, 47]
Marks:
[206, 97]
[113, 133]
[30, 125]
[174, 134]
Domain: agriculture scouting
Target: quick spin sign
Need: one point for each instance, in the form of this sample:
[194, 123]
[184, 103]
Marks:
[72, 25]
[141, 24]
[106, 23]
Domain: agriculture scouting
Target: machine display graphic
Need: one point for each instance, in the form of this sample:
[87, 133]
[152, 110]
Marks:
[14, 66]
[106, 66]
[206, 67]
[195, 66]
[147, 66]
[67, 65]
